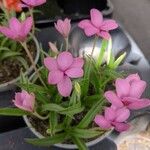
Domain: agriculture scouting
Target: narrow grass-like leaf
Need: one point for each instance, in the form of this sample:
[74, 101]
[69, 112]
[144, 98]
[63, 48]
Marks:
[97, 107]
[85, 133]
[79, 142]
[48, 141]
[13, 112]
[102, 52]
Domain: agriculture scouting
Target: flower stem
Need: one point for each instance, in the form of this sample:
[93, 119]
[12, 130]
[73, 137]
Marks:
[67, 43]
[95, 40]
[39, 116]
[6, 12]
[24, 45]
[32, 15]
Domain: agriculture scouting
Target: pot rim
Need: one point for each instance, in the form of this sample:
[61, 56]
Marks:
[66, 146]
[11, 84]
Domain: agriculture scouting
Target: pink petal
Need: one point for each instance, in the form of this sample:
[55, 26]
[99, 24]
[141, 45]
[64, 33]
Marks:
[53, 47]
[104, 35]
[65, 87]
[102, 122]
[50, 63]
[122, 114]
[109, 25]
[64, 60]
[77, 63]
[110, 114]
[55, 77]
[26, 26]
[84, 23]
[29, 102]
[22, 107]
[14, 25]
[133, 77]
[96, 17]
[74, 72]
[112, 98]
[137, 88]
[139, 104]
[67, 27]
[60, 26]
[122, 87]
[34, 3]
[91, 30]
[8, 33]
[120, 127]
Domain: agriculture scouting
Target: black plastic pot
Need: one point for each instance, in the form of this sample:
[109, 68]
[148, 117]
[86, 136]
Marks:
[81, 6]
[73, 9]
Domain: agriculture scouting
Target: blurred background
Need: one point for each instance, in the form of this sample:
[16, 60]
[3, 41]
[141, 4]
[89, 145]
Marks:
[134, 15]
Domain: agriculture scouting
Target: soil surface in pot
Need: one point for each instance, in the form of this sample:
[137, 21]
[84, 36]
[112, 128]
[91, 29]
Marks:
[42, 126]
[10, 68]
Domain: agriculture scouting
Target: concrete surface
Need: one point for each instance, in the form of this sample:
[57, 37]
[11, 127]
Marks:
[135, 16]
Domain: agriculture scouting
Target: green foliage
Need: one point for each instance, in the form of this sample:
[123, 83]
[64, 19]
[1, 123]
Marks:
[10, 49]
[13, 112]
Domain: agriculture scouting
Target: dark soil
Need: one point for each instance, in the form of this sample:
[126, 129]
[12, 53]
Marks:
[10, 68]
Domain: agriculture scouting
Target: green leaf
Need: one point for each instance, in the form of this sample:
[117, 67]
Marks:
[13, 112]
[22, 61]
[48, 141]
[97, 107]
[9, 54]
[85, 82]
[119, 60]
[80, 143]
[91, 100]
[65, 111]
[85, 133]
[52, 122]
[52, 107]
[33, 88]
[102, 52]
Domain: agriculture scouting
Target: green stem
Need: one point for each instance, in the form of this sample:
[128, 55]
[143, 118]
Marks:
[24, 45]
[40, 117]
[5, 11]
[90, 62]
[67, 43]
[32, 15]
[95, 40]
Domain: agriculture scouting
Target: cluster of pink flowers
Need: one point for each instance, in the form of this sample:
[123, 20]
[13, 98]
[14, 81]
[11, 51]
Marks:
[127, 97]
[64, 67]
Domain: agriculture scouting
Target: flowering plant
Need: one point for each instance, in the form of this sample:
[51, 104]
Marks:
[75, 99]
[14, 53]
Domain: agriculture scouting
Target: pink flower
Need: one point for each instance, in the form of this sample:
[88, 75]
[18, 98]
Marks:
[128, 93]
[63, 27]
[33, 3]
[17, 30]
[62, 69]
[25, 101]
[113, 118]
[97, 26]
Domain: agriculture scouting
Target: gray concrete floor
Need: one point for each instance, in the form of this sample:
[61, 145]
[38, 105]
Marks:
[135, 16]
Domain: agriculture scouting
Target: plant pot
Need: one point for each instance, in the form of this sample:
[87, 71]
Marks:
[12, 84]
[66, 146]
[83, 7]
[73, 9]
